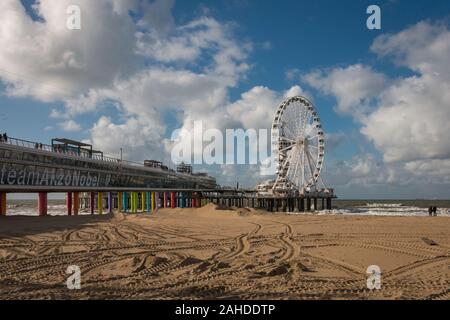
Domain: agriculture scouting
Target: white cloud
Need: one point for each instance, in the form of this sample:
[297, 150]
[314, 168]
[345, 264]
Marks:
[47, 61]
[413, 116]
[133, 66]
[407, 118]
[70, 126]
[132, 136]
[423, 48]
[355, 87]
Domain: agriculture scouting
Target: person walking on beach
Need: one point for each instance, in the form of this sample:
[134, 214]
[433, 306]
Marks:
[435, 211]
[430, 211]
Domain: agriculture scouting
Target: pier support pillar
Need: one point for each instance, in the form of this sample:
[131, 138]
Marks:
[165, 200]
[69, 203]
[308, 204]
[42, 203]
[3, 203]
[302, 204]
[172, 200]
[76, 203]
[156, 201]
[119, 201]
[323, 203]
[315, 204]
[100, 202]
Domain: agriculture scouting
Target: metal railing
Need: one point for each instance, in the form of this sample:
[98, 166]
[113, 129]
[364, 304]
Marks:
[49, 148]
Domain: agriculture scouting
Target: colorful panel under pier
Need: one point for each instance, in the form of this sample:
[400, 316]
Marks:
[69, 203]
[119, 201]
[153, 201]
[100, 202]
[76, 203]
[156, 201]
[42, 203]
[181, 199]
[172, 199]
[165, 200]
[124, 202]
[143, 198]
[132, 202]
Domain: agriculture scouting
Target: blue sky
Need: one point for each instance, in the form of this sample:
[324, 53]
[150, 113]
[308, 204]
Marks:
[277, 45]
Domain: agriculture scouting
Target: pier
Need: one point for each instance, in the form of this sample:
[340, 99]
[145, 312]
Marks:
[103, 184]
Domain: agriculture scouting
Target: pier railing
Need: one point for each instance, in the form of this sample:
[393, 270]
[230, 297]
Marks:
[46, 147]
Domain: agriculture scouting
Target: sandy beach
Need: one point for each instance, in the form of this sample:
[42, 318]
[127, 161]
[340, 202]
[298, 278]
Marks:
[212, 253]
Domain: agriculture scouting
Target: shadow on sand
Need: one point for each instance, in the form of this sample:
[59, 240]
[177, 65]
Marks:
[19, 226]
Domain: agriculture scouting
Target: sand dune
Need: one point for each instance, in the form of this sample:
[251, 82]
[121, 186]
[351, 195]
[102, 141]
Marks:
[208, 253]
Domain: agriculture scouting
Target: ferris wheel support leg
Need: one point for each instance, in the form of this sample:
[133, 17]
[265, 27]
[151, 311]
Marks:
[124, 202]
[328, 203]
[148, 201]
[295, 204]
[100, 202]
[308, 204]
[302, 204]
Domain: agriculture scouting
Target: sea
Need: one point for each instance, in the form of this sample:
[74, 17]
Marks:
[340, 207]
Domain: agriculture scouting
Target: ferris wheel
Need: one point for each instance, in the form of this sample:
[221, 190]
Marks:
[299, 146]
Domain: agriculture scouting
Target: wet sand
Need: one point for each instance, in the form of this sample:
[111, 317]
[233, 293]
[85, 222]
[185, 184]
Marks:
[208, 253]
